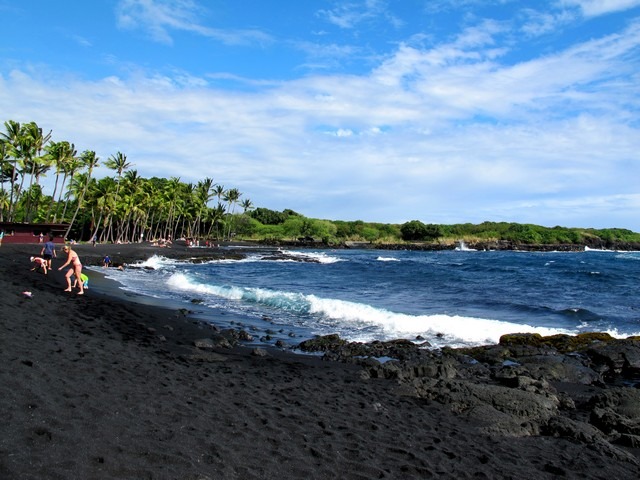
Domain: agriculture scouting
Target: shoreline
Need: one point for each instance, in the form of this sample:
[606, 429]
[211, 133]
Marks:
[102, 387]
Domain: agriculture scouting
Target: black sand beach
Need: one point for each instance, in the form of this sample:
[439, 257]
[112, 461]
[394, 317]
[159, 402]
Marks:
[95, 387]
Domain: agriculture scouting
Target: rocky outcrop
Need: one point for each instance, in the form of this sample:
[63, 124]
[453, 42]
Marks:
[585, 388]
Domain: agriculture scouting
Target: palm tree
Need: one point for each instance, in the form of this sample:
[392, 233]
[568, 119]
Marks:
[219, 192]
[187, 208]
[217, 218]
[246, 205]
[60, 154]
[155, 211]
[73, 165]
[100, 198]
[119, 163]
[89, 160]
[231, 197]
[11, 139]
[6, 173]
[203, 194]
[4, 203]
[32, 142]
[171, 192]
[133, 196]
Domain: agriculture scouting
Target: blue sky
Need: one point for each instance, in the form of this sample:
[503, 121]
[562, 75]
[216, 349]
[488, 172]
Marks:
[443, 111]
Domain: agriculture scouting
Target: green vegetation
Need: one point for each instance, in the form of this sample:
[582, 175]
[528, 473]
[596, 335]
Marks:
[125, 206]
[121, 208]
[292, 226]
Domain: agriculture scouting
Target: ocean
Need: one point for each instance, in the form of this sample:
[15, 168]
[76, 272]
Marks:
[448, 298]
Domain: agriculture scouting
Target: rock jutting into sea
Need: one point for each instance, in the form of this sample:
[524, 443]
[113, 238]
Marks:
[584, 387]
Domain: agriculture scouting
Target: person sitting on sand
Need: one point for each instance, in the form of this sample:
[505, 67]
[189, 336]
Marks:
[85, 281]
[40, 263]
[76, 268]
[48, 251]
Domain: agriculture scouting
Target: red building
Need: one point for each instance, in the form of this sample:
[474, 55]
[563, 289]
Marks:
[32, 232]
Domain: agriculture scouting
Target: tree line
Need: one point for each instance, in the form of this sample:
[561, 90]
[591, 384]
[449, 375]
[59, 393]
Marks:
[119, 208]
[266, 224]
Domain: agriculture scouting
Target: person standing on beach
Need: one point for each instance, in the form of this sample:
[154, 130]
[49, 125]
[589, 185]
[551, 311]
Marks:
[48, 251]
[1, 236]
[76, 268]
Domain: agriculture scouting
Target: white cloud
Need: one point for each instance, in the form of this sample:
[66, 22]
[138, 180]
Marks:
[540, 23]
[447, 129]
[158, 18]
[83, 42]
[350, 14]
[593, 8]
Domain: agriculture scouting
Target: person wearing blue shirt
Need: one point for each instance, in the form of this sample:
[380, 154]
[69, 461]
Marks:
[48, 251]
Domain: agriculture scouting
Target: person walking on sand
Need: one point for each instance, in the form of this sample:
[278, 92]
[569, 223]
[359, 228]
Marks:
[76, 268]
[48, 251]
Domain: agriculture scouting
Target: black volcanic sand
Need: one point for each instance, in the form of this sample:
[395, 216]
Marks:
[94, 387]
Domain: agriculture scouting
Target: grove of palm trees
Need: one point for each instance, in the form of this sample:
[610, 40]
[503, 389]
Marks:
[118, 208]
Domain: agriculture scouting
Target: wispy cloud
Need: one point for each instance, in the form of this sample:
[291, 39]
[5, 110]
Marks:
[159, 18]
[593, 8]
[82, 41]
[464, 5]
[538, 23]
[350, 14]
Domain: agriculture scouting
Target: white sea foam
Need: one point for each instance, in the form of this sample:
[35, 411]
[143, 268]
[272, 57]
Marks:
[314, 256]
[248, 259]
[452, 329]
[156, 262]
[387, 259]
[355, 321]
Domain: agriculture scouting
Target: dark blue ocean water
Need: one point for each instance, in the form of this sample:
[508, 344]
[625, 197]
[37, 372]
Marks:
[448, 298]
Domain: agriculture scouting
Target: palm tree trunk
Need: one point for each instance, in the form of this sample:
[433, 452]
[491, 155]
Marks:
[53, 197]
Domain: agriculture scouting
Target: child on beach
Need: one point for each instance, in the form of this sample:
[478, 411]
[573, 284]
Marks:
[83, 278]
[40, 263]
[76, 268]
[106, 261]
[48, 251]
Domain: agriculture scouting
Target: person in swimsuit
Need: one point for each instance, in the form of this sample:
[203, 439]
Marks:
[76, 268]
